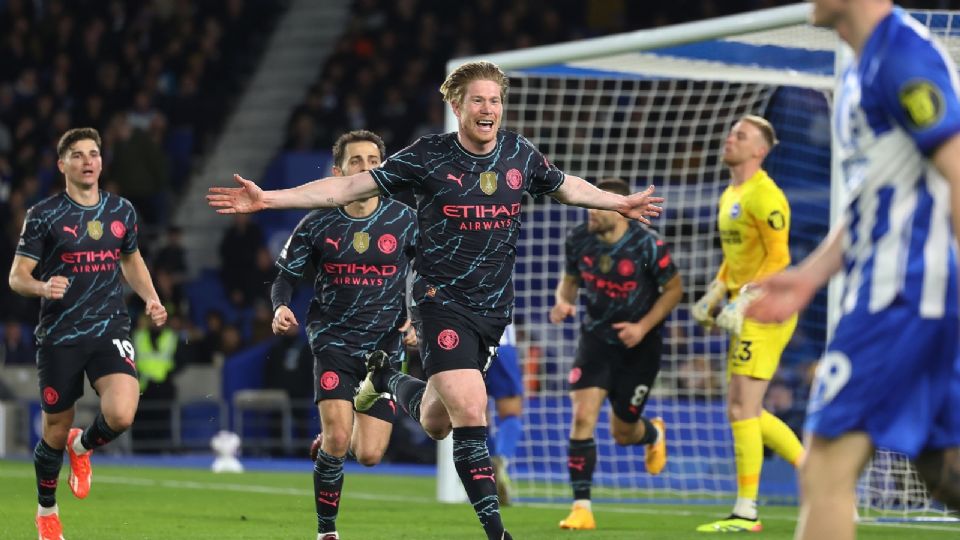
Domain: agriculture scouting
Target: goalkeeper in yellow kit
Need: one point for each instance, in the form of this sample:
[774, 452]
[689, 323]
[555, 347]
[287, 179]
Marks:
[754, 224]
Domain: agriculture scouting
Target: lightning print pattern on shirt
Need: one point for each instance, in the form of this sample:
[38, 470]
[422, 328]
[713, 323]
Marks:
[362, 266]
[83, 244]
[468, 207]
[621, 281]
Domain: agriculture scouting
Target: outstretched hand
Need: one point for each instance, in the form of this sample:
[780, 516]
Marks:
[780, 296]
[641, 205]
[246, 199]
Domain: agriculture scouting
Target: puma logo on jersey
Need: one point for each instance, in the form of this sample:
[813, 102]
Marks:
[72, 230]
[457, 179]
[334, 243]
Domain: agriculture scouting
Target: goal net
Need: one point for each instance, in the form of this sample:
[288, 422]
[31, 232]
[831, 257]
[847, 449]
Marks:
[656, 110]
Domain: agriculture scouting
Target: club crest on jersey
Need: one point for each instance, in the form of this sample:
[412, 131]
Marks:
[735, 210]
[387, 243]
[923, 103]
[488, 182]
[361, 241]
[95, 229]
[606, 263]
[514, 179]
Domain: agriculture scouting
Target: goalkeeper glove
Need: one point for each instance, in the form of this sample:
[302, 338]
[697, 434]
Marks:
[731, 317]
[702, 311]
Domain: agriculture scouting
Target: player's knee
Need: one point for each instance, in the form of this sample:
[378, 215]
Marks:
[56, 434]
[436, 430]
[583, 421]
[367, 457]
[737, 411]
[470, 415]
[119, 421]
[335, 441]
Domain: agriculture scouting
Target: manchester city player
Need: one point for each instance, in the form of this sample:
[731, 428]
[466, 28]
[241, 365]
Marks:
[889, 377]
[630, 285]
[78, 242]
[469, 186]
[362, 253]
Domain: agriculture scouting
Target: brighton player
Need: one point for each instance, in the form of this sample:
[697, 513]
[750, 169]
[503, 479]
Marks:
[890, 375]
[754, 224]
[362, 254]
[631, 285]
[504, 380]
[77, 243]
[469, 187]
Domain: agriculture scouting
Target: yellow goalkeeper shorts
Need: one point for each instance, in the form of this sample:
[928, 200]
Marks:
[756, 352]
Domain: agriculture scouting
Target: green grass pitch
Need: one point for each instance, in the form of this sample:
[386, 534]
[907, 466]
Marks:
[166, 503]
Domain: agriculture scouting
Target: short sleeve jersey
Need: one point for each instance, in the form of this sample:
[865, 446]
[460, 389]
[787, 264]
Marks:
[895, 106]
[468, 207]
[754, 223]
[83, 244]
[621, 281]
[362, 266]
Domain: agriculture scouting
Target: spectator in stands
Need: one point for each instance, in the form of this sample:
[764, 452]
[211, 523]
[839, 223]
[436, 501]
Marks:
[140, 169]
[172, 257]
[239, 251]
[17, 345]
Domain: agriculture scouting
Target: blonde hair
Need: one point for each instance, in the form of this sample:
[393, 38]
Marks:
[765, 127]
[455, 87]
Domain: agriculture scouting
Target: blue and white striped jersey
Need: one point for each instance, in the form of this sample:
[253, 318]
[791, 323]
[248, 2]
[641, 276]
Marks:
[895, 105]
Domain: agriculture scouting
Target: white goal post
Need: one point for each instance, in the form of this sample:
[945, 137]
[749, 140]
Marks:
[653, 106]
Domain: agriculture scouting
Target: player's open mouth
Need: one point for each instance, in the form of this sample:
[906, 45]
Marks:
[485, 125]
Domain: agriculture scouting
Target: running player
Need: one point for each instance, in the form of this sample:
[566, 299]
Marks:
[754, 223]
[890, 375]
[78, 242]
[631, 285]
[469, 187]
[362, 253]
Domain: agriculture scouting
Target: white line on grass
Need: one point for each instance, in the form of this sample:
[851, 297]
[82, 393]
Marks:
[272, 490]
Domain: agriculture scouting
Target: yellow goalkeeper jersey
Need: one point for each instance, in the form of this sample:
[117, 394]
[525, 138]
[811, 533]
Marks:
[754, 228]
